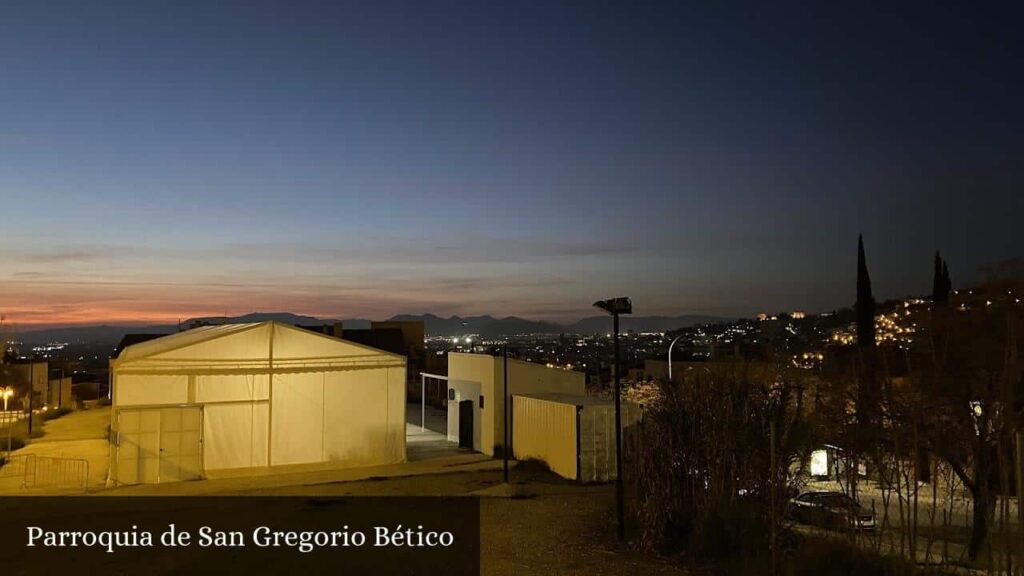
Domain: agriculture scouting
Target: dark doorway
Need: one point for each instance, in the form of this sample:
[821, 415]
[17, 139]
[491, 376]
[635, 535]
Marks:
[466, 410]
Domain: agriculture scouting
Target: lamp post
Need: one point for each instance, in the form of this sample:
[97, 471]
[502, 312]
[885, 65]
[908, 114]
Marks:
[615, 307]
[7, 392]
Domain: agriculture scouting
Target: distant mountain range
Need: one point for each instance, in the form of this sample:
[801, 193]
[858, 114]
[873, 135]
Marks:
[485, 326]
[488, 326]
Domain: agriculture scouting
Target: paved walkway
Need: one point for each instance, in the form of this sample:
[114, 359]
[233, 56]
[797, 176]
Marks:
[432, 441]
[82, 434]
[467, 462]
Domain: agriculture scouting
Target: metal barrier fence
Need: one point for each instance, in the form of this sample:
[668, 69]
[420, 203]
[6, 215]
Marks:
[45, 473]
[12, 472]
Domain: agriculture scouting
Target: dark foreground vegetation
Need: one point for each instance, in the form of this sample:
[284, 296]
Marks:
[928, 436]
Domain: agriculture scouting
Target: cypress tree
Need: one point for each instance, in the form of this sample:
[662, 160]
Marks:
[865, 301]
[868, 393]
[941, 284]
[947, 284]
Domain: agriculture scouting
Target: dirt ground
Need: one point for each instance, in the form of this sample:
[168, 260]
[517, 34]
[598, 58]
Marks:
[555, 527]
[551, 526]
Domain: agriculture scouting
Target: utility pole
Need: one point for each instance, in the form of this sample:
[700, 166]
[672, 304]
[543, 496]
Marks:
[615, 307]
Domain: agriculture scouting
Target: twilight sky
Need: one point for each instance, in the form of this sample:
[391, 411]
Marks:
[161, 160]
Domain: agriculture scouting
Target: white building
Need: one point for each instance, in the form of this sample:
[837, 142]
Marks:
[475, 393]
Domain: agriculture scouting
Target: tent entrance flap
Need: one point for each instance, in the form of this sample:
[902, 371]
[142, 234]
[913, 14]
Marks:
[159, 444]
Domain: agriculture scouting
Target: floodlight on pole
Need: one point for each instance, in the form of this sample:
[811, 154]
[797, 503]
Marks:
[615, 307]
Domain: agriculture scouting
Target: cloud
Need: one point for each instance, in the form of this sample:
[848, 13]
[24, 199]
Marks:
[59, 257]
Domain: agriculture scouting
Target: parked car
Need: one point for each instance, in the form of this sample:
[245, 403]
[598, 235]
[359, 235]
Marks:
[831, 510]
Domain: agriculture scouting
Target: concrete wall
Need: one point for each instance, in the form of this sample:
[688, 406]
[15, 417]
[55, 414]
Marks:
[465, 390]
[39, 373]
[479, 369]
[60, 393]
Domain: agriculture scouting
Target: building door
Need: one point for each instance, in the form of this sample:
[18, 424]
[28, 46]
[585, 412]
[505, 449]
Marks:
[159, 444]
[466, 410]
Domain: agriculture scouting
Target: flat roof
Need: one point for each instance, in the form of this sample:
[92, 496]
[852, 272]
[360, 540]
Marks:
[572, 399]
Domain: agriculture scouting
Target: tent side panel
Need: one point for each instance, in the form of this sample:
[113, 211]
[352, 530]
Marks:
[545, 431]
[235, 435]
[396, 413]
[232, 388]
[298, 418]
[151, 389]
[355, 417]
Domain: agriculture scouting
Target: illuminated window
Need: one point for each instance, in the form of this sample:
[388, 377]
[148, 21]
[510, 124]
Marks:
[819, 463]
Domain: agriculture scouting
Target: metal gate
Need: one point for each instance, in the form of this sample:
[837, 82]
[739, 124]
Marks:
[159, 444]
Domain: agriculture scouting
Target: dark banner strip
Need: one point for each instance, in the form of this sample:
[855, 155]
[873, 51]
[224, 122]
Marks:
[240, 535]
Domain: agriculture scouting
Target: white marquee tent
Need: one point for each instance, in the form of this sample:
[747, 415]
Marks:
[242, 397]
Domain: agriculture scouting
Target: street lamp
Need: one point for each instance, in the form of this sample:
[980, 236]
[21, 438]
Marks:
[670, 357]
[615, 307]
[6, 392]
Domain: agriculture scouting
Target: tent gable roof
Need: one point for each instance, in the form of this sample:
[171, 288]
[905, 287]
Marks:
[252, 345]
[179, 340]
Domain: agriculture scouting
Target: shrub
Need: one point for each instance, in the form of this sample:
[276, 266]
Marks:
[821, 557]
[56, 413]
[701, 463]
[17, 441]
